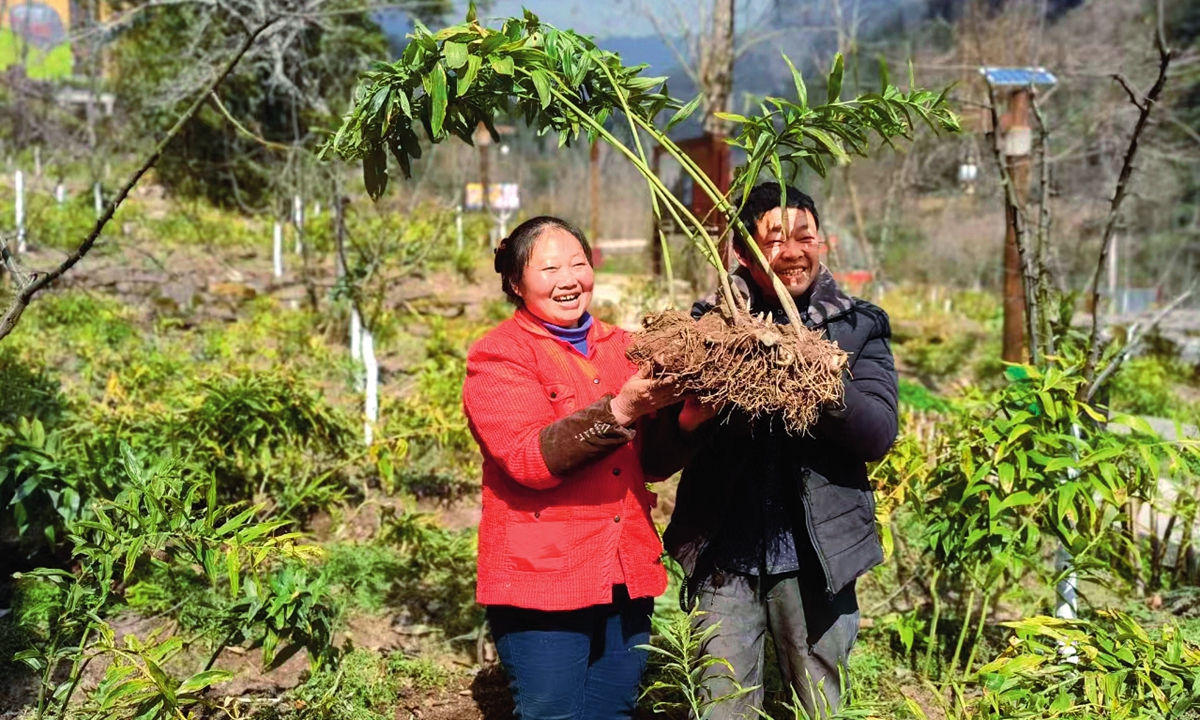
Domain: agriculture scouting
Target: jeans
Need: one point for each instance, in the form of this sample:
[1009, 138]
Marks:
[813, 635]
[575, 664]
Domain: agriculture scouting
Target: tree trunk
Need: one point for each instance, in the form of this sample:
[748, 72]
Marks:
[716, 67]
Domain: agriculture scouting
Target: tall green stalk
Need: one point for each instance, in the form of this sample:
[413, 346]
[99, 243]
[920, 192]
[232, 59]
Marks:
[984, 609]
[966, 624]
[674, 204]
[933, 625]
[722, 203]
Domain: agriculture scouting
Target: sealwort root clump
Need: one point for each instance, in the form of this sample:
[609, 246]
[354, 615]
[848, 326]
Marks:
[761, 367]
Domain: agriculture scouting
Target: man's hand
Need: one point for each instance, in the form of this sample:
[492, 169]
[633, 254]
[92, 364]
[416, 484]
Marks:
[642, 395]
[695, 413]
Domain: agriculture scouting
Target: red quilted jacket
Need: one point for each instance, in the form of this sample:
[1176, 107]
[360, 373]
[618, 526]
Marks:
[547, 542]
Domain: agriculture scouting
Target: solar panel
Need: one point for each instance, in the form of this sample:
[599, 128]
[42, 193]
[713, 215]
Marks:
[1018, 77]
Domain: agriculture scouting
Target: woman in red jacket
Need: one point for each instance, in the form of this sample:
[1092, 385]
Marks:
[569, 559]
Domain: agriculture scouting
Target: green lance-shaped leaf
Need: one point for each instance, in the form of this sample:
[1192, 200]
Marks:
[438, 99]
[835, 79]
[455, 53]
[831, 146]
[203, 680]
[684, 112]
[541, 81]
[375, 175]
[468, 76]
[501, 64]
[798, 80]
[883, 74]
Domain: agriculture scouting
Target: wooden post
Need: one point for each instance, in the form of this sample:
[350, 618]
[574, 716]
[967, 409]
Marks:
[594, 191]
[1017, 147]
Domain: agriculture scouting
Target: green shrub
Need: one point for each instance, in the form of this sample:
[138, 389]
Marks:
[442, 459]
[367, 685]
[363, 575]
[39, 483]
[265, 437]
[1108, 667]
[918, 397]
[27, 391]
[1146, 386]
[437, 580]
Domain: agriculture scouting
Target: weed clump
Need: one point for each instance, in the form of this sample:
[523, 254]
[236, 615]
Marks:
[761, 367]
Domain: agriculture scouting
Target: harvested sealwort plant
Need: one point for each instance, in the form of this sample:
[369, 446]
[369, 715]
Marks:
[761, 367]
[467, 76]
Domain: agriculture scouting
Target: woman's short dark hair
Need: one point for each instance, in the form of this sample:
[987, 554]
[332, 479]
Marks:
[765, 198]
[513, 253]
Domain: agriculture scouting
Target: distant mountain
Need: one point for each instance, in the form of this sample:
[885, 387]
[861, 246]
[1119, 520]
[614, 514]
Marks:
[649, 49]
[396, 24]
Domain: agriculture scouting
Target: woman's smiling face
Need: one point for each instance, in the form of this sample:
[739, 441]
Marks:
[556, 285]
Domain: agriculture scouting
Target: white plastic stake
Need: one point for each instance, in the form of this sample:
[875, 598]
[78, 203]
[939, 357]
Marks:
[458, 225]
[278, 250]
[19, 182]
[60, 193]
[504, 215]
[98, 199]
[355, 335]
[316, 209]
[372, 377]
[37, 160]
[298, 221]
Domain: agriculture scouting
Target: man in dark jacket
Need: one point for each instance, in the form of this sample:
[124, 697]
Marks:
[773, 529]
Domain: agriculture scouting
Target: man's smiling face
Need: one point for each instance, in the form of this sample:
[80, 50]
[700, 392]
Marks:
[794, 253]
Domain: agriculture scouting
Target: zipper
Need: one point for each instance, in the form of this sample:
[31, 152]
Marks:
[812, 534]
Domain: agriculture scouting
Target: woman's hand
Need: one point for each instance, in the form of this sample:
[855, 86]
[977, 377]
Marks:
[695, 413]
[641, 395]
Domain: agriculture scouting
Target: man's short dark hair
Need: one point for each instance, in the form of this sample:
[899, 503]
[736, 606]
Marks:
[513, 253]
[763, 199]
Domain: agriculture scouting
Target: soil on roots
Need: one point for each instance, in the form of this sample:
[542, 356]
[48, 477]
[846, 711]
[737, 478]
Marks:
[754, 364]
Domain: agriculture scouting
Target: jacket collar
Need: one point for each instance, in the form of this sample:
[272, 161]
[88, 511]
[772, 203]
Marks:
[528, 322]
[826, 302]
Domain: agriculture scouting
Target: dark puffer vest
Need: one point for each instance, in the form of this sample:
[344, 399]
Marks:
[836, 528]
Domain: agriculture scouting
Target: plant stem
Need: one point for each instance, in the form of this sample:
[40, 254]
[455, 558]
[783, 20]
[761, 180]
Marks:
[637, 141]
[722, 203]
[937, 609]
[962, 634]
[984, 609]
[77, 670]
[217, 652]
[673, 204]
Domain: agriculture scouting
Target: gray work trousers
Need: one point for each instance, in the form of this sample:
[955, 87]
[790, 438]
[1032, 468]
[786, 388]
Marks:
[813, 635]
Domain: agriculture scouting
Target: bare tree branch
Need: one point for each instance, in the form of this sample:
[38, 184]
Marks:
[1133, 94]
[243, 129]
[687, 62]
[40, 281]
[1040, 291]
[1145, 105]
